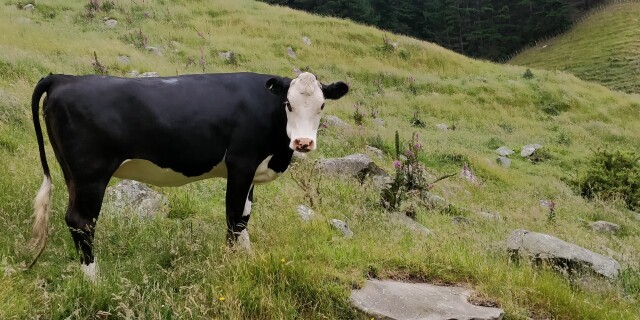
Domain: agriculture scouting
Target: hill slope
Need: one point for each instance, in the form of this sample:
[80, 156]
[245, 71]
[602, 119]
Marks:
[179, 267]
[604, 48]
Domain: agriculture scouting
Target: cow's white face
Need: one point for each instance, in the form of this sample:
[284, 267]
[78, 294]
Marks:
[304, 105]
[304, 100]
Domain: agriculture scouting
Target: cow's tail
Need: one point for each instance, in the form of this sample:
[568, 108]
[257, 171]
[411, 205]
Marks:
[41, 204]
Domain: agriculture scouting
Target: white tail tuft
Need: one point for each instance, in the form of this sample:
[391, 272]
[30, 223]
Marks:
[41, 209]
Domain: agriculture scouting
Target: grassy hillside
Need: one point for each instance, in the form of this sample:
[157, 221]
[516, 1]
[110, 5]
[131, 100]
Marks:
[179, 267]
[604, 48]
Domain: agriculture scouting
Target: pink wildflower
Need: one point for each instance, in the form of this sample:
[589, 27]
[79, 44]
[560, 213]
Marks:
[397, 164]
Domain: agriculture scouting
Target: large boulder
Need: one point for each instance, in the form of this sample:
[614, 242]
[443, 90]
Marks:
[604, 226]
[132, 196]
[563, 254]
[398, 300]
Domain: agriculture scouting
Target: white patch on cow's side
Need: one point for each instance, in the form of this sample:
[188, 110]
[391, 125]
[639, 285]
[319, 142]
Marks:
[306, 99]
[170, 80]
[90, 271]
[243, 241]
[264, 174]
[148, 172]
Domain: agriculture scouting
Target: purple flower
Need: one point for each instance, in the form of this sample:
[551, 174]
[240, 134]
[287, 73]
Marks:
[397, 164]
[409, 153]
[417, 146]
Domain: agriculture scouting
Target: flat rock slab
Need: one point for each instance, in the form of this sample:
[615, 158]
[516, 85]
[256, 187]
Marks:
[546, 247]
[398, 300]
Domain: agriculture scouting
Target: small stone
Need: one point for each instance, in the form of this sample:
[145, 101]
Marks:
[638, 216]
[342, 227]
[529, 149]
[111, 23]
[355, 165]
[129, 195]
[410, 224]
[433, 201]
[546, 203]
[123, 59]
[504, 151]
[297, 71]
[291, 54]
[334, 121]
[133, 73]
[306, 40]
[460, 220]
[148, 75]
[442, 126]
[604, 226]
[299, 155]
[379, 122]
[155, 50]
[504, 162]
[375, 151]
[489, 215]
[305, 213]
[29, 7]
[227, 55]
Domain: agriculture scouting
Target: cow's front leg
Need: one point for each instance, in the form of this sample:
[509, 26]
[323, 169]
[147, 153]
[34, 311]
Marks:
[238, 204]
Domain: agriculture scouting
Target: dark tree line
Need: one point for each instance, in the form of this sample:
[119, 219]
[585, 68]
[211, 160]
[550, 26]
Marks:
[490, 29]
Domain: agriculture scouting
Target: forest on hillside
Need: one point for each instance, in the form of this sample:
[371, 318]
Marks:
[489, 29]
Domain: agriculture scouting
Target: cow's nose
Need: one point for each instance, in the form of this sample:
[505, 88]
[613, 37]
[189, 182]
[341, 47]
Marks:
[303, 144]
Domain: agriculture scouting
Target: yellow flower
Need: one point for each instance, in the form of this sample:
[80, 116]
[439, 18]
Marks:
[283, 260]
[221, 298]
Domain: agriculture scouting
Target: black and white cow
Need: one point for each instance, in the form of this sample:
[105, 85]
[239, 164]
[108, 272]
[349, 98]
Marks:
[169, 132]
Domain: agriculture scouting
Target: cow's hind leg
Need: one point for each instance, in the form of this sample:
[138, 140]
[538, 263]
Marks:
[85, 201]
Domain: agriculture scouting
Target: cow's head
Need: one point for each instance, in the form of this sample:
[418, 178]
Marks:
[304, 103]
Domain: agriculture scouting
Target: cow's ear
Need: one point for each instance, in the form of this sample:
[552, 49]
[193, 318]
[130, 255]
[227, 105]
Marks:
[335, 91]
[278, 86]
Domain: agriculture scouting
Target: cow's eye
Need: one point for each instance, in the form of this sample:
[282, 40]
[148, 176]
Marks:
[322, 107]
[288, 105]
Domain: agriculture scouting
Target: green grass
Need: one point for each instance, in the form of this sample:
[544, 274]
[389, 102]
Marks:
[179, 267]
[603, 48]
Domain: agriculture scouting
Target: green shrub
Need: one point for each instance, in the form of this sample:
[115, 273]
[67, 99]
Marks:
[612, 175]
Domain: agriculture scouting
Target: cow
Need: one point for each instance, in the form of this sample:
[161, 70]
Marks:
[170, 131]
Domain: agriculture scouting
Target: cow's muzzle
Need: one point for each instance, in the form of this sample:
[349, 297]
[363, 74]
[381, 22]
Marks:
[303, 145]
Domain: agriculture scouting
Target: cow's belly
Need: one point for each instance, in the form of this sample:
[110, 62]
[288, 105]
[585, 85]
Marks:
[148, 172]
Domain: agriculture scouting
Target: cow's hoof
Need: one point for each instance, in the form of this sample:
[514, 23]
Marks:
[242, 242]
[90, 271]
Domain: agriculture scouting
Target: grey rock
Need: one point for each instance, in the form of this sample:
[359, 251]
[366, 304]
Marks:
[227, 55]
[334, 121]
[111, 23]
[545, 247]
[529, 149]
[385, 299]
[291, 54]
[489, 215]
[546, 203]
[604, 226]
[123, 59]
[504, 162]
[306, 40]
[299, 155]
[133, 196]
[29, 7]
[133, 73]
[375, 151]
[416, 227]
[305, 213]
[504, 151]
[380, 182]
[638, 216]
[460, 220]
[155, 50]
[355, 165]
[342, 227]
[378, 121]
[148, 74]
[434, 201]
[442, 126]
[297, 71]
